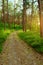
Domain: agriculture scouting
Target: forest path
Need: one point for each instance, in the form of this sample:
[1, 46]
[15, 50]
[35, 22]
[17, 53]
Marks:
[17, 52]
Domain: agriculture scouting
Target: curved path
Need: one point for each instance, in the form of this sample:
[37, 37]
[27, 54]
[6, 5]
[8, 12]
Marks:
[17, 52]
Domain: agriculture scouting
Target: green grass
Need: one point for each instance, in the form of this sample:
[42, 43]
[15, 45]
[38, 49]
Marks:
[18, 27]
[3, 37]
[4, 34]
[11, 26]
[33, 39]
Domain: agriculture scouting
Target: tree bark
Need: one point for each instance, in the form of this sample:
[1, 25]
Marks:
[32, 14]
[7, 12]
[3, 13]
[24, 16]
[41, 16]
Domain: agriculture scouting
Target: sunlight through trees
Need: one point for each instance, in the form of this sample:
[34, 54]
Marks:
[26, 13]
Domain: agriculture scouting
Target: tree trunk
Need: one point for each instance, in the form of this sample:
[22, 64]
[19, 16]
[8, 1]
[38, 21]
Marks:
[7, 12]
[3, 13]
[14, 14]
[3, 10]
[24, 16]
[8, 15]
[40, 2]
[32, 13]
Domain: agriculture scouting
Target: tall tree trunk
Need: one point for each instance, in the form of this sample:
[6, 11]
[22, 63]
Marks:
[32, 13]
[3, 13]
[18, 19]
[7, 12]
[24, 15]
[40, 2]
[14, 17]
[14, 14]
[3, 10]
[8, 15]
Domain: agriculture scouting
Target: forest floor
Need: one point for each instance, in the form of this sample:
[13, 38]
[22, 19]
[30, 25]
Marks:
[17, 52]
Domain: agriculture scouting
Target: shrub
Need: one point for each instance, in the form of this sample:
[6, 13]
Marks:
[33, 39]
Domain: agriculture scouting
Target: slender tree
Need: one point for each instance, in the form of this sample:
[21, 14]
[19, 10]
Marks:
[7, 12]
[24, 15]
[3, 11]
[32, 13]
[40, 3]
[14, 13]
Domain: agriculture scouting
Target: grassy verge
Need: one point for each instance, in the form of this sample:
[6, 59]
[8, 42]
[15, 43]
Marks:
[4, 34]
[3, 37]
[33, 39]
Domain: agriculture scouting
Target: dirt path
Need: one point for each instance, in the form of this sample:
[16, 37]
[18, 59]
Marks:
[16, 52]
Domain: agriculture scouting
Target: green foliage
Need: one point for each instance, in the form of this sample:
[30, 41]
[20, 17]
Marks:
[3, 36]
[33, 39]
[6, 32]
[18, 27]
[10, 26]
[1, 25]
